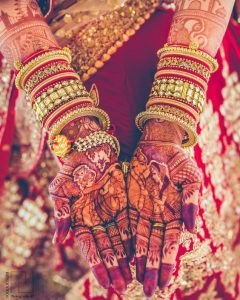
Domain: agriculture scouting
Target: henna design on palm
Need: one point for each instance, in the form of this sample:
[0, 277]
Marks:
[163, 188]
[89, 195]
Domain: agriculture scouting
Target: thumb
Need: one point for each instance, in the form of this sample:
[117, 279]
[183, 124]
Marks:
[190, 208]
[62, 229]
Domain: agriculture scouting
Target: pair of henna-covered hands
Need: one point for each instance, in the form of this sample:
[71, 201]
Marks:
[114, 219]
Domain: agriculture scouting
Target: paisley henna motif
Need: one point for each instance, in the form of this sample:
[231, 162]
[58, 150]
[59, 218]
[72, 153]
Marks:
[89, 195]
[163, 187]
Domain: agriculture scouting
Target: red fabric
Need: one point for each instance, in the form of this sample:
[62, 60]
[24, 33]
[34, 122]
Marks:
[125, 81]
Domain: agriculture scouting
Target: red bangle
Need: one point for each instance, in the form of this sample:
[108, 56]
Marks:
[37, 53]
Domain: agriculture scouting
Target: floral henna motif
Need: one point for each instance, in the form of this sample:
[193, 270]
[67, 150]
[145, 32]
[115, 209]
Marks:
[163, 188]
[89, 195]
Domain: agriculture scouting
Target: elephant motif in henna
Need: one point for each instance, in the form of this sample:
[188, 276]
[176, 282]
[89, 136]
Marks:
[163, 186]
[89, 195]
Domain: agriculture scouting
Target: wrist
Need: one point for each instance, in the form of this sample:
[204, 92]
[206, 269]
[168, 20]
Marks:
[163, 131]
[81, 128]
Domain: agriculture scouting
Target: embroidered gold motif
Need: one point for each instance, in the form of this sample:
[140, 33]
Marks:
[97, 41]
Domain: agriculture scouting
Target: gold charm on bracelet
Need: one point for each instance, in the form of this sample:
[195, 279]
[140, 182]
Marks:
[60, 145]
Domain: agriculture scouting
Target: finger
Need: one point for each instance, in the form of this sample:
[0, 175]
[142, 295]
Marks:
[134, 193]
[190, 178]
[169, 252]
[107, 254]
[190, 196]
[123, 225]
[153, 260]
[142, 242]
[62, 218]
[133, 218]
[119, 250]
[89, 251]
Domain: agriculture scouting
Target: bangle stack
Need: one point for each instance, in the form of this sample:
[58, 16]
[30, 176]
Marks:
[56, 94]
[179, 89]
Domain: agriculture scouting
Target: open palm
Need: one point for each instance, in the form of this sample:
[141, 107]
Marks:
[89, 196]
[163, 188]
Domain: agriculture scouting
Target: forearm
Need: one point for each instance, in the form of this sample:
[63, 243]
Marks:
[23, 30]
[202, 22]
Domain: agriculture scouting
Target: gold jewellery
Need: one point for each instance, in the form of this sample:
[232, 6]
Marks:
[62, 146]
[58, 94]
[76, 113]
[179, 90]
[25, 70]
[58, 97]
[95, 139]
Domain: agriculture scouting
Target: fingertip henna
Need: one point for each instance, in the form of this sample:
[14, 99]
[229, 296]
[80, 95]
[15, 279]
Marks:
[140, 268]
[189, 215]
[165, 275]
[126, 272]
[117, 280]
[150, 281]
[101, 275]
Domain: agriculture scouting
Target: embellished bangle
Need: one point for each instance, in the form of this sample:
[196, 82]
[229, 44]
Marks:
[191, 52]
[51, 82]
[44, 72]
[183, 63]
[59, 94]
[38, 60]
[18, 64]
[177, 89]
[95, 139]
[182, 75]
[55, 125]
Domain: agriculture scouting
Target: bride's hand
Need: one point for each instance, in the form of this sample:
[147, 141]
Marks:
[163, 190]
[89, 195]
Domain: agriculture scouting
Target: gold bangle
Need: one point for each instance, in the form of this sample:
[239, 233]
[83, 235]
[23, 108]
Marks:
[64, 53]
[178, 89]
[191, 51]
[185, 64]
[76, 113]
[58, 94]
[45, 84]
[186, 74]
[158, 101]
[43, 73]
[173, 114]
[42, 117]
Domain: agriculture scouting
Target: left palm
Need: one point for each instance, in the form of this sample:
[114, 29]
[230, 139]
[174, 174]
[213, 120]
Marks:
[163, 188]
